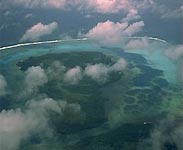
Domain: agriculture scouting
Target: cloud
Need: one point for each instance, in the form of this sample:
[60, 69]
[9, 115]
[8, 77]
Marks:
[40, 3]
[175, 52]
[107, 6]
[17, 125]
[132, 15]
[119, 65]
[134, 28]
[45, 105]
[138, 43]
[167, 13]
[73, 75]
[36, 32]
[34, 78]
[56, 70]
[107, 32]
[173, 14]
[100, 6]
[129, 7]
[111, 33]
[3, 85]
[100, 72]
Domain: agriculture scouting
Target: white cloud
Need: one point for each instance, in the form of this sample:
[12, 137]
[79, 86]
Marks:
[111, 33]
[3, 85]
[138, 43]
[100, 72]
[14, 127]
[89, 6]
[107, 32]
[44, 105]
[132, 15]
[119, 65]
[134, 28]
[39, 30]
[176, 13]
[56, 70]
[73, 75]
[101, 6]
[107, 6]
[175, 52]
[35, 77]
[17, 125]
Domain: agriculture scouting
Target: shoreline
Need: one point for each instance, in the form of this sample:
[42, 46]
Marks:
[38, 43]
[59, 41]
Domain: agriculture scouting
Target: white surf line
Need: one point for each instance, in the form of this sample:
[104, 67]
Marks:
[150, 38]
[38, 43]
[58, 41]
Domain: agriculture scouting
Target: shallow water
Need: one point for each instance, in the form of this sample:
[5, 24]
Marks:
[154, 54]
[154, 57]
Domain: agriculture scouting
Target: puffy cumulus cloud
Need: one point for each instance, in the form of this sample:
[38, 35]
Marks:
[100, 6]
[44, 105]
[175, 52]
[100, 72]
[34, 78]
[107, 32]
[138, 43]
[3, 85]
[132, 15]
[108, 6]
[119, 65]
[111, 33]
[39, 30]
[17, 125]
[56, 70]
[134, 28]
[73, 75]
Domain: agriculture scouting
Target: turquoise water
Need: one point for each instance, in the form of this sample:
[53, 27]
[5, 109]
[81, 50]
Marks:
[156, 58]
[143, 119]
[154, 54]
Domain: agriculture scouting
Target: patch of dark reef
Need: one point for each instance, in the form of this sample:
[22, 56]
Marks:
[87, 93]
[78, 59]
[131, 90]
[130, 57]
[125, 137]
